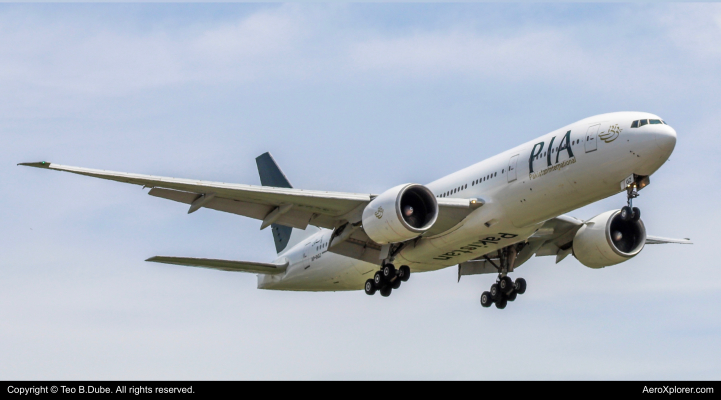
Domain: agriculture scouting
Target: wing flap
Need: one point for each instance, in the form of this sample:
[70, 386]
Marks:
[293, 218]
[223, 265]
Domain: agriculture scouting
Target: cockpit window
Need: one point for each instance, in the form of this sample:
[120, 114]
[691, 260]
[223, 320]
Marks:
[642, 122]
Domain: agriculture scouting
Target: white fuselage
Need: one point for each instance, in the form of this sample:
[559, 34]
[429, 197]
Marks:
[588, 160]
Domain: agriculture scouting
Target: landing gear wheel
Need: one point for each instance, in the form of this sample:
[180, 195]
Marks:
[378, 280]
[486, 299]
[627, 213]
[396, 283]
[506, 285]
[370, 287]
[520, 286]
[500, 303]
[389, 271]
[404, 273]
[636, 214]
[512, 296]
[386, 291]
[495, 291]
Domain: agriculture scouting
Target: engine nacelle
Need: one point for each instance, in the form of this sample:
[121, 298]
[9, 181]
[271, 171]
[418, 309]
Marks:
[400, 214]
[608, 240]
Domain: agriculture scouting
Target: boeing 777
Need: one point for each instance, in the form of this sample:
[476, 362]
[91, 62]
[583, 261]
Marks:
[488, 218]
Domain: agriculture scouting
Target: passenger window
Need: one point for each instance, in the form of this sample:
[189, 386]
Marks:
[634, 124]
[643, 122]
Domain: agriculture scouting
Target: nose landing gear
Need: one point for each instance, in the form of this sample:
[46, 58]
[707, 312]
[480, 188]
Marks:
[387, 279]
[629, 212]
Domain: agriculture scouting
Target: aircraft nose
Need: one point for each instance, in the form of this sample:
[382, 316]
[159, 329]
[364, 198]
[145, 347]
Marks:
[665, 139]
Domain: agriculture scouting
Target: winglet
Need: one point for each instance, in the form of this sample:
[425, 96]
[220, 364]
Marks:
[39, 164]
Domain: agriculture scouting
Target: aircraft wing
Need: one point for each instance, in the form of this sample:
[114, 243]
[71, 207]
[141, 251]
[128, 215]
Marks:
[223, 265]
[556, 237]
[662, 240]
[553, 238]
[291, 207]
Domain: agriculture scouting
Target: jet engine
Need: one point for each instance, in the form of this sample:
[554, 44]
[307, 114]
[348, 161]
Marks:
[400, 214]
[607, 240]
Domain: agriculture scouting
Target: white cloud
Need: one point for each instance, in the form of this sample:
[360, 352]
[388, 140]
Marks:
[78, 56]
[475, 56]
[291, 43]
[694, 30]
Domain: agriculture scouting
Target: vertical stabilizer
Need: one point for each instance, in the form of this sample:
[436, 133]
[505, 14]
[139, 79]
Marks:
[271, 175]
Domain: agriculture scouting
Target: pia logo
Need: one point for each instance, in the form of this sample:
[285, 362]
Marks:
[379, 213]
[613, 132]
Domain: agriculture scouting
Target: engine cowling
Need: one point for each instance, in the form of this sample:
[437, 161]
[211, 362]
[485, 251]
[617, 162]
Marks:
[400, 214]
[607, 240]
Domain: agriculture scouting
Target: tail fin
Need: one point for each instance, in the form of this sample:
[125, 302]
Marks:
[271, 175]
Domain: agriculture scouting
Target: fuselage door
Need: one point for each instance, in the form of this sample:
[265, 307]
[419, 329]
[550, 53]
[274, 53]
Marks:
[512, 168]
[592, 138]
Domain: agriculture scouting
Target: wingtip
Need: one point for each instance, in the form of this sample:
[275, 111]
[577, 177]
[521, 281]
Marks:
[39, 164]
[152, 259]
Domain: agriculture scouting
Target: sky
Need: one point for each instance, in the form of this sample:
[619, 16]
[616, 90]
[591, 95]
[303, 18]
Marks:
[347, 97]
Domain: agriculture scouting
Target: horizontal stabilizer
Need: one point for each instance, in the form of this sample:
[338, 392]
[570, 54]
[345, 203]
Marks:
[223, 265]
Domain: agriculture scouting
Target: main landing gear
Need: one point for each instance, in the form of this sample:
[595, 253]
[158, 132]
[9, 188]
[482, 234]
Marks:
[387, 279]
[503, 291]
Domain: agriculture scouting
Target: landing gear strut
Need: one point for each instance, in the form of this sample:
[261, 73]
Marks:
[629, 212]
[505, 289]
[387, 279]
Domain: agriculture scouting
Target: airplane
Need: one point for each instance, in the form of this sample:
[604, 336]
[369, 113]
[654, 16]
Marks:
[489, 218]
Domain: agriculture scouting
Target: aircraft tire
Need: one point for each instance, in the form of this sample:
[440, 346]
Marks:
[378, 280]
[636, 214]
[512, 296]
[486, 299]
[404, 272]
[506, 285]
[495, 292]
[520, 286]
[626, 213]
[396, 283]
[389, 271]
[501, 303]
[370, 287]
[386, 291]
